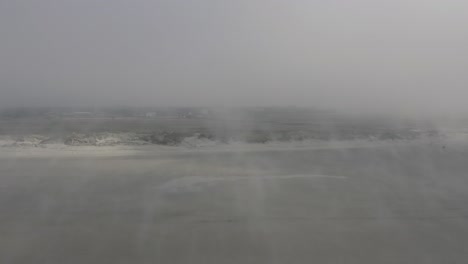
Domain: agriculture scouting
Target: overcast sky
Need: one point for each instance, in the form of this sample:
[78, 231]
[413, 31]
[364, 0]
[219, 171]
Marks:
[409, 55]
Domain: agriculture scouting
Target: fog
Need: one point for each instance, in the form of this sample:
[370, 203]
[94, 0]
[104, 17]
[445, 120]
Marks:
[244, 131]
[403, 56]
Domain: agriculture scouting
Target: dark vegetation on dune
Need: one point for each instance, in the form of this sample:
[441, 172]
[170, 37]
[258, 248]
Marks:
[171, 138]
[172, 126]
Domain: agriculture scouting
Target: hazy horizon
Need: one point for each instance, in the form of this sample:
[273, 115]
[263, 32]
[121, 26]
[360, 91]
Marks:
[371, 56]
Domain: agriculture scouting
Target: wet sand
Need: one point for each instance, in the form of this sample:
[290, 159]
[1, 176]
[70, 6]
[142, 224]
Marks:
[388, 204]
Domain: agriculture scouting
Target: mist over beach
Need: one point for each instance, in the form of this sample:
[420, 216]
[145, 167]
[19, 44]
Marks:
[258, 131]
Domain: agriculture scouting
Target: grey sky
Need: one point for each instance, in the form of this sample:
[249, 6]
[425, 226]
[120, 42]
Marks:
[407, 55]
